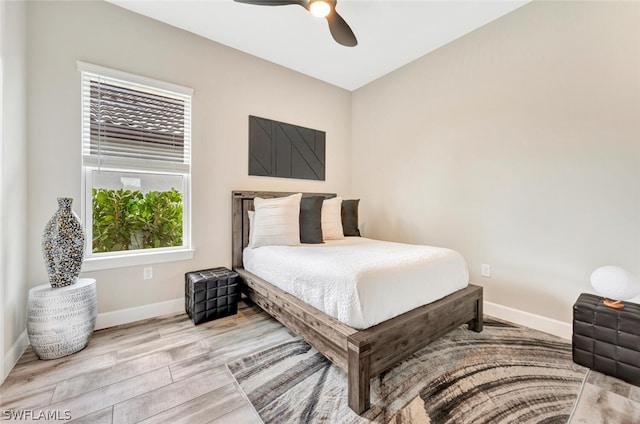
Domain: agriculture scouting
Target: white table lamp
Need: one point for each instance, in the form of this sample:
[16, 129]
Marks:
[615, 284]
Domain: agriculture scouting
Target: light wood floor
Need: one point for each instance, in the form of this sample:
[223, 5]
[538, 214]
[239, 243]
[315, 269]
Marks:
[166, 370]
[162, 370]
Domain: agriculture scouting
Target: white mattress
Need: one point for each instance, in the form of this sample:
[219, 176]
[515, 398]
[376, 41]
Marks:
[360, 281]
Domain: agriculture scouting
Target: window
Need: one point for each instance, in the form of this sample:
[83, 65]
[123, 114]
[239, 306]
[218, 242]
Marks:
[136, 160]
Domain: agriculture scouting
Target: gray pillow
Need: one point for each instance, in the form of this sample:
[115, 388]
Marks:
[350, 217]
[311, 219]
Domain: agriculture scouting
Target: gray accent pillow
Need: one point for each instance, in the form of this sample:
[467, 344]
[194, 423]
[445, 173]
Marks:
[311, 219]
[350, 217]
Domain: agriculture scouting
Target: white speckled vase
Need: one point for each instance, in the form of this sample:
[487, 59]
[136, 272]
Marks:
[63, 245]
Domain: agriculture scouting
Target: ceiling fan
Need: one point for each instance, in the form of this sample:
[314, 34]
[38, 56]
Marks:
[339, 29]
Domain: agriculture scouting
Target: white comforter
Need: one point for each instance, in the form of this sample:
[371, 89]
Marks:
[360, 281]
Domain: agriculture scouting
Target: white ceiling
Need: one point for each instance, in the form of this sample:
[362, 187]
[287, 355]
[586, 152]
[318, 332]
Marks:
[390, 33]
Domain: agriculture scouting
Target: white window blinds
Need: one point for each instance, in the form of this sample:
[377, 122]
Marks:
[133, 122]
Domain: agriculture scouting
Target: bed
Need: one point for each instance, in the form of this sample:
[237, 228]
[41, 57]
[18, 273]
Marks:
[361, 353]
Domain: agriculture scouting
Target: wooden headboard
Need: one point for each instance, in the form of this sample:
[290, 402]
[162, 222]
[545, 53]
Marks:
[241, 202]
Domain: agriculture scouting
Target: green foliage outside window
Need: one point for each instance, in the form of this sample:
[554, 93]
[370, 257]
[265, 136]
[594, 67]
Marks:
[128, 220]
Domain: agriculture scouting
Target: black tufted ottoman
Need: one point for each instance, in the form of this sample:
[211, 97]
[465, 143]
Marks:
[607, 339]
[210, 294]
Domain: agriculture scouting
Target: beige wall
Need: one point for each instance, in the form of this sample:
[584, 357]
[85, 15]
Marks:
[13, 269]
[518, 145]
[229, 85]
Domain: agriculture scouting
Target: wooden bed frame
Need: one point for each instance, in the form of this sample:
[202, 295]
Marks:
[362, 354]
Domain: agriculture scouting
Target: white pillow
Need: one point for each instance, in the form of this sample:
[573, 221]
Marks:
[251, 214]
[276, 222]
[332, 219]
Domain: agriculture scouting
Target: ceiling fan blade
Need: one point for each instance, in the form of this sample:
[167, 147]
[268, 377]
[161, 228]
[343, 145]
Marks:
[302, 3]
[340, 30]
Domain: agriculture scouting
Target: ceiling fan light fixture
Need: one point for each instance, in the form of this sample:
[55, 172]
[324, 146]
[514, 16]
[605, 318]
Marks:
[339, 29]
[319, 8]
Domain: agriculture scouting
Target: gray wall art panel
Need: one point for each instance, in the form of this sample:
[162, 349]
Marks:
[283, 150]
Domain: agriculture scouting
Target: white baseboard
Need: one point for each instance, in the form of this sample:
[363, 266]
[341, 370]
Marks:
[125, 316]
[537, 322]
[16, 351]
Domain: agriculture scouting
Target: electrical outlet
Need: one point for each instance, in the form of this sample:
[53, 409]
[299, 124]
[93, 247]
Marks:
[485, 270]
[147, 273]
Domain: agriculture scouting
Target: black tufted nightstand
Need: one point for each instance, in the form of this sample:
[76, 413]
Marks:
[607, 339]
[210, 294]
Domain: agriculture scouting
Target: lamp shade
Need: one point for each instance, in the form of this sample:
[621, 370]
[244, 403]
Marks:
[614, 282]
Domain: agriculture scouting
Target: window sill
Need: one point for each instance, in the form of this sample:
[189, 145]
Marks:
[135, 259]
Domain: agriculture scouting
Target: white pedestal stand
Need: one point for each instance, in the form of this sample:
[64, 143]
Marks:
[61, 320]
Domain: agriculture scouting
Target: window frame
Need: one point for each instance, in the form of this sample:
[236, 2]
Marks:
[125, 258]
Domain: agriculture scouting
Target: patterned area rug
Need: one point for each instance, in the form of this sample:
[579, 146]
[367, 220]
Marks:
[506, 374]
